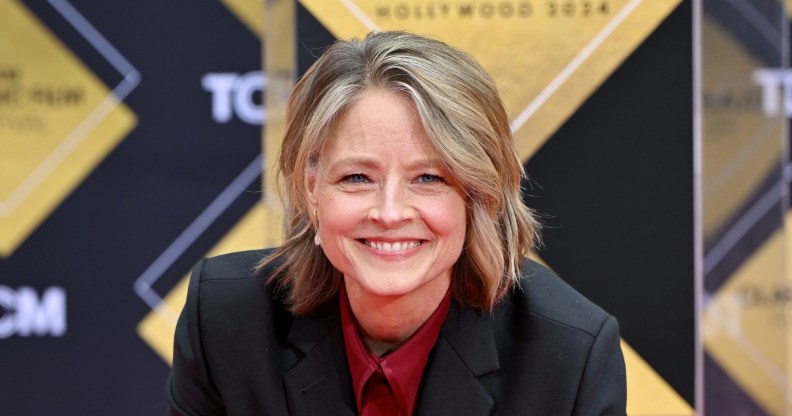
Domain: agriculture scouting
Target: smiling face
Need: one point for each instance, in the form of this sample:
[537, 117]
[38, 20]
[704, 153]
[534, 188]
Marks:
[389, 218]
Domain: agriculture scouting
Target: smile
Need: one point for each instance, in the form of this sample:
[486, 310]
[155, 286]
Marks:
[392, 247]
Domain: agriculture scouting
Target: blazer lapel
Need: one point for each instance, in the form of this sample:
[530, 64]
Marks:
[319, 384]
[465, 351]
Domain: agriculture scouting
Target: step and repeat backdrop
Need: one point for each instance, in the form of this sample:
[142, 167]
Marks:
[130, 145]
[744, 349]
[133, 137]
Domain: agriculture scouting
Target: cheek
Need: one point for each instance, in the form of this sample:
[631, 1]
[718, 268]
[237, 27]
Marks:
[449, 219]
[338, 215]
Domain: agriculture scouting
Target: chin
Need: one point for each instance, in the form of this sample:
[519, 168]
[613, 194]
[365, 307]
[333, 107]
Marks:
[388, 288]
[392, 283]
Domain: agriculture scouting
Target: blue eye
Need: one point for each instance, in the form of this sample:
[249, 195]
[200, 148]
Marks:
[429, 178]
[356, 178]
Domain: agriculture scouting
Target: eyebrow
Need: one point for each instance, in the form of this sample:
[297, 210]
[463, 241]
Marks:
[372, 163]
[356, 161]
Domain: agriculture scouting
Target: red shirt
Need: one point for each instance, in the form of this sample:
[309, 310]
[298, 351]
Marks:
[388, 385]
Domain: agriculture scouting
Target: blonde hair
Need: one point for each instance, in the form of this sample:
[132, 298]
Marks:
[467, 124]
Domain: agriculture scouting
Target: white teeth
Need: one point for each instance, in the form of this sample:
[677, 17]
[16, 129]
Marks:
[393, 247]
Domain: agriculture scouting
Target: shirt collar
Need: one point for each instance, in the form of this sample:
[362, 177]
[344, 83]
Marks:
[402, 367]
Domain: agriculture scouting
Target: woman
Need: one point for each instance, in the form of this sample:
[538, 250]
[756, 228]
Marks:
[401, 287]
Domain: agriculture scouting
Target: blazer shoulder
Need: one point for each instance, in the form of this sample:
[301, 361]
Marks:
[546, 295]
[231, 312]
[238, 265]
[230, 283]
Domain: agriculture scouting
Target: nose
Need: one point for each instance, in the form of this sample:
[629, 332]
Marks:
[393, 205]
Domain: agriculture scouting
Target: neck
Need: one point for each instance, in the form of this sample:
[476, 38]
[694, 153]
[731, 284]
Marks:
[386, 322]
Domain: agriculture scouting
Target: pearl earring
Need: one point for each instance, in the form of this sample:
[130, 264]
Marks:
[317, 240]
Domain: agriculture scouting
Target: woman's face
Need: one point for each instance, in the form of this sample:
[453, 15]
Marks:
[388, 220]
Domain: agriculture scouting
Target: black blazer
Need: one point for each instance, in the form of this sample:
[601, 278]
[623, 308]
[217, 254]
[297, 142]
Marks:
[545, 350]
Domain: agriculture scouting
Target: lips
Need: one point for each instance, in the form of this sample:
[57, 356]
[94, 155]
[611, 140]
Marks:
[392, 247]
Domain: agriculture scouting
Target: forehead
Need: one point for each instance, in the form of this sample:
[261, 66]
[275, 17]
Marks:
[380, 123]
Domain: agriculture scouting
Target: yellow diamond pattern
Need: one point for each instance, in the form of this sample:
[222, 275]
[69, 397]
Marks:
[546, 58]
[158, 326]
[743, 325]
[744, 328]
[741, 147]
[57, 122]
[250, 12]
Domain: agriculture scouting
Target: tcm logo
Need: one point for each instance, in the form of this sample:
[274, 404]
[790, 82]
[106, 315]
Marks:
[776, 86]
[235, 94]
[23, 312]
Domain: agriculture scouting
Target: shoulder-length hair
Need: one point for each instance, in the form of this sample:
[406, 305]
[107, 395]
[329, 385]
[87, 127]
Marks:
[467, 125]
